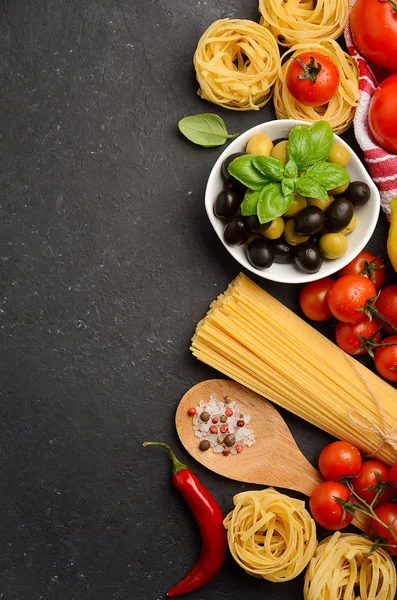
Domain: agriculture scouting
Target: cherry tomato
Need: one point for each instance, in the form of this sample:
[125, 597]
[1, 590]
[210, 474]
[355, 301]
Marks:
[388, 514]
[312, 78]
[386, 359]
[324, 507]
[313, 299]
[346, 335]
[367, 478]
[382, 109]
[348, 295]
[370, 22]
[339, 459]
[393, 474]
[387, 305]
[366, 264]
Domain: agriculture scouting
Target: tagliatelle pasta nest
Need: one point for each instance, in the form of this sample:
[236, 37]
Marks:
[340, 110]
[270, 535]
[237, 62]
[343, 568]
[304, 21]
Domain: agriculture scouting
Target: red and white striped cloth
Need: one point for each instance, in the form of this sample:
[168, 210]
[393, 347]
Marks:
[381, 165]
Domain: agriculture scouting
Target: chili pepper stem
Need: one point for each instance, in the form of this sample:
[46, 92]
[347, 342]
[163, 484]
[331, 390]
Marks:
[177, 465]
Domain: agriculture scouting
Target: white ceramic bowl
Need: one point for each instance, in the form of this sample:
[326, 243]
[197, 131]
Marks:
[367, 215]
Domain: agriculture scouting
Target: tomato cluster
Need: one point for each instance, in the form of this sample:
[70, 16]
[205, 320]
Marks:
[369, 484]
[362, 309]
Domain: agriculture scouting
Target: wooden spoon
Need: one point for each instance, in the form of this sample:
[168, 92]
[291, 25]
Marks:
[274, 459]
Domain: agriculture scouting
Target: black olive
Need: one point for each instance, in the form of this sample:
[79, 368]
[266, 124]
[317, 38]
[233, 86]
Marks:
[236, 186]
[338, 215]
[310, 220]
[358, 193]
[226, 163]
[226, 204]
[283, 252]
[260, 253]
[255, 225]
[308, 257]
[236, 232]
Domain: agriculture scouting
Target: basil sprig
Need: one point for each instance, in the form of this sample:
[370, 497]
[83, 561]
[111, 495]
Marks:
[271, 183]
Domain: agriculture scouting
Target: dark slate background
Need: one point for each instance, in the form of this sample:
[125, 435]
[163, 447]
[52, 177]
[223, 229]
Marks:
[107, 262]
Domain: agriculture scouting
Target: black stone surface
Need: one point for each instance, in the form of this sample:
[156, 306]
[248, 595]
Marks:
[107, 261]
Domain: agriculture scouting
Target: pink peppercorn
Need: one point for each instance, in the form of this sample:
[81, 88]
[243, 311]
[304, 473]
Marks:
[192, 411]
[239, 448]
[226, 452]
[224, 428]
[215, 420]
[240, 423]
[229, 412]
[213, 429]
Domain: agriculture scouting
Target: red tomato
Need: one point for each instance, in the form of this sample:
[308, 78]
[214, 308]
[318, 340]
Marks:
[313, 299]
[346, 335]
[393, 474]
[387, 305]
[339, 459]
[348, 295]
[312, 78]
[382, 109]
[374, 29]
[367, 478]
[388, 514]
[368, 265]
[386, 359]
[324, 507]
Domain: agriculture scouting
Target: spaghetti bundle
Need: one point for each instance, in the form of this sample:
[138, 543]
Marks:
[343, 568]
[304, 21]
[236, 64]
[270, 535]
[254, 339]
[340, 110]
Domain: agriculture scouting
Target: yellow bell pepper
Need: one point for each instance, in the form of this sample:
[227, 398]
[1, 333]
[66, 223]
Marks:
[392, 237]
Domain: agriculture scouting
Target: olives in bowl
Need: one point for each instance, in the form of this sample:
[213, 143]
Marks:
[302, 242]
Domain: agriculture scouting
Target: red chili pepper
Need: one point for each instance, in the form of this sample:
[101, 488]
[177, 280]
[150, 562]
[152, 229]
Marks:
[210, 520]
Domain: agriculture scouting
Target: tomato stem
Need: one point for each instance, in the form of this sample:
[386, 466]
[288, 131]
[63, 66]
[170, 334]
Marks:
[392, 4]
[371, 311]
[311, 70]
[369, 268]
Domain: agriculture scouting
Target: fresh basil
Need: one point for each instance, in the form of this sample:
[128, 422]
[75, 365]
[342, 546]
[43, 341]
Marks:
[328, 175]
[300, 147]
[306, 186]
[206, 130]
[272, 203]
[322, 138]
[291, 170]
[242, 168]
[249, 204]
[287, 186]
[270, 167]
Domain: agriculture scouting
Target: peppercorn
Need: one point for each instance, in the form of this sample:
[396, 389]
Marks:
[220, 439]
[228, 399]
[226, 452]
[204, 445]
[192, 411]
[240, 423]
[239, 448]
[229, 412]
[224, 428]
[205, 416]
[213, 429]
[215, 420]
[230, 440]
[223, 419]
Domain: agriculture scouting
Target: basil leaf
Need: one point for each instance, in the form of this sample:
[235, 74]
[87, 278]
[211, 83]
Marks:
[270, 167]
[300, 147]
[291, 170]
[249, 204]
[242, 168]
[306, 186]
[329, 175]
[206, 130]
[322, 138]
[287, 186]
[272, 203]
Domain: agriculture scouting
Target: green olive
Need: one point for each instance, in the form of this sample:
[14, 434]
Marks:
[320, 203]
[299, 203]
[339, 190]
[351, 227]
[275, 230]
[333, 245]
[260, 144]
[339, 155]
[291, 236]
[280, 151]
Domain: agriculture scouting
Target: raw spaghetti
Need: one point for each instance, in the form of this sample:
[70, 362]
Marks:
[343, 568]
[236, 64]
[340, 110]
[270, 535]
[251, 337]
[304, 21]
